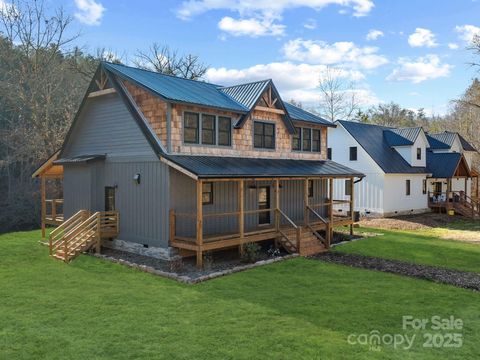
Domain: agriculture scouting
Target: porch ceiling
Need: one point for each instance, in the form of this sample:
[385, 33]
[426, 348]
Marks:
[234, 167]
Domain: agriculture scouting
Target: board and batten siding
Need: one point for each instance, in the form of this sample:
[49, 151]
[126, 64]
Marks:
[225, 199]
[105, 126]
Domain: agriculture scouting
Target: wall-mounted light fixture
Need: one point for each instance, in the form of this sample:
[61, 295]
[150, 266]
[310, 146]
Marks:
[136, 178]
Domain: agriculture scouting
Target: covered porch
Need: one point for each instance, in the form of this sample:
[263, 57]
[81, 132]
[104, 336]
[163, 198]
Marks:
[51, 193]
[297, 211]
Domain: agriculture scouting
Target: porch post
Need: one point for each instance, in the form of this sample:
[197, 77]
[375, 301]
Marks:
[277, 204]
[305, 202]
[199, 224]
[43, 203]
[330, 212]
[449, 189]
[478, 183]
[466, 186]
[352, 197]
[241, 215]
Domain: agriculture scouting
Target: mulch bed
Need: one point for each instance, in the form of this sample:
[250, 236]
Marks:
[462, 279]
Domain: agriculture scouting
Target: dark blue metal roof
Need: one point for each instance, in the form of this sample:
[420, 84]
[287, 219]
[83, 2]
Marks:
[178, 89]
[402, 136]
[466, 145]
[371, 139]
[436, 144]
[443, 141]
[246, 94]
[232, 167]
[442, 165]
[299, 114]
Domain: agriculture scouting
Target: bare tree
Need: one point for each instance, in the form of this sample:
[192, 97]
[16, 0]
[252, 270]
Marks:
[339, 98]
[162, 59]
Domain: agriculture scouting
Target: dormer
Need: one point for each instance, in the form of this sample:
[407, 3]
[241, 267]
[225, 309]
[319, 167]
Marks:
[410, 143]
[452, 142]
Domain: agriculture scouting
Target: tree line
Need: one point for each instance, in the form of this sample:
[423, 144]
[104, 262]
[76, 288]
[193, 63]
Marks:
[43, 78]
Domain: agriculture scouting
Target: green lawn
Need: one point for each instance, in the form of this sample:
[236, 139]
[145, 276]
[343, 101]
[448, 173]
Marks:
[296, 309]
[417, 247]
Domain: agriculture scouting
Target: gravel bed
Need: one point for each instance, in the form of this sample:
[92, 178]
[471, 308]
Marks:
[216, 264]
[462, 279]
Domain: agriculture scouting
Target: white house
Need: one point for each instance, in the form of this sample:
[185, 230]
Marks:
[401, 166]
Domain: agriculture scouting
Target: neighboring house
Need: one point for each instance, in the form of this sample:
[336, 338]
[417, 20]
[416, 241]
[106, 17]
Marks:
[174, 166]
[402, 166]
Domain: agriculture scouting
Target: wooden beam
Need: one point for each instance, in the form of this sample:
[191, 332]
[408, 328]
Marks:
[101, 92]
[179, 168]
[305, 202]
[352, 198]
[43, 193]
[272, 110]
[330, 213]
[277, 204]
[199, 240]
[241, 215]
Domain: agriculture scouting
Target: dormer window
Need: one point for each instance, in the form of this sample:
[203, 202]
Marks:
[264, 135]
[419, 153]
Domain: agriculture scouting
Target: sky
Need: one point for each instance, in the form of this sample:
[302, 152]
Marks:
[413, 52]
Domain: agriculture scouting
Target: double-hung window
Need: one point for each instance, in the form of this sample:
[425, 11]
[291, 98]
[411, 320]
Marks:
[297, 139]
[224, 131]
[264, 135]
[191, 128]
[208, 129]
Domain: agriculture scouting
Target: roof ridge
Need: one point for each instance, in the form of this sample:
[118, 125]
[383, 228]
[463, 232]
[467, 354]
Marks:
[243, 84]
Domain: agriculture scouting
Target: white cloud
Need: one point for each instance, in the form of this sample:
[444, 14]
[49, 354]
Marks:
[421, 69]
[294, 81]
[374, 35]
[250, 27]
[467, 32]
[453, 46]
[310, 24]
[422, 37]
[320, 52]
[89, 12]
[260, 14]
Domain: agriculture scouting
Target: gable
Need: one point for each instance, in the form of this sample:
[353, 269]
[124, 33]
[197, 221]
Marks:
[104, 125]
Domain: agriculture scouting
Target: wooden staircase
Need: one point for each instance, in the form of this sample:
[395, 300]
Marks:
[467, 206]
[81, 232]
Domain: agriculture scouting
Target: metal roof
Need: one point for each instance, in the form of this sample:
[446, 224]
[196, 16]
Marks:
[371, 139]
[302, 115]
[178, 89]
[465, 144]
[246, 94]
[442, 165]
[233, 167]
[437, 144]
[402, 136]
[446, 139]
[80, 159]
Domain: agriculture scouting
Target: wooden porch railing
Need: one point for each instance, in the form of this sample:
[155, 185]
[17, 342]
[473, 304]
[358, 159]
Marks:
[457, 200]
[284, 237]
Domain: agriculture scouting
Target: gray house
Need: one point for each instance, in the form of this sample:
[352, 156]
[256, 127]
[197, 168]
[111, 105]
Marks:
[162, 166]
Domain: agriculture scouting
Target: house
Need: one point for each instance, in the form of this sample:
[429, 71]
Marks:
[404, 167]
[166, 166]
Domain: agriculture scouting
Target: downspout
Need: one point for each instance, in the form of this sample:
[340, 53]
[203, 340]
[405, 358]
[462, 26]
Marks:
[357, 181]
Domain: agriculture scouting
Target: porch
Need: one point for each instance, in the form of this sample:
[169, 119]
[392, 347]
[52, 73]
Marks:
[300, 217]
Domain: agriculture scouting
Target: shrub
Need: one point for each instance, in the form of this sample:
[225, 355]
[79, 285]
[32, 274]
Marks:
[250, 252]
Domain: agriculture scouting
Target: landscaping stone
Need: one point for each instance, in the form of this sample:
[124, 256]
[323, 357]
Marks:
[463, 279]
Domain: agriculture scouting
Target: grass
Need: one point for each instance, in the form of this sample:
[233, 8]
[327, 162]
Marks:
[297, 309]
[419, 247]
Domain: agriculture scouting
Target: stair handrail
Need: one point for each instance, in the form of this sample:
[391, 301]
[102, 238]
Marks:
[67, 223]
[295, 226]
[58, 233]
[285, 216]
[321, 218]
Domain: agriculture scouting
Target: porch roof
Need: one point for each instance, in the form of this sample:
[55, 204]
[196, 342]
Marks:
[234, 167]
[80, 159]
[446, 165]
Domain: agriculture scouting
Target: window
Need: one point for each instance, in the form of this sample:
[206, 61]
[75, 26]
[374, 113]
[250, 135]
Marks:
[207, 193]
[316, 140]
[264, 135]
[407, 188]
[353, 153]
[424, 186]
[109, 198]
[224, 131]
[419, 153]
[348, 187]
[190, 132]
[297, 139]
[306, 139]
[329, 153]
[208, 129]
[310, 188]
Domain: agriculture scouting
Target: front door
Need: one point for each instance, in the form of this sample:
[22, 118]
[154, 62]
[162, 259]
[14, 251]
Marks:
[437, 187]
[263, 204]
[109, 198]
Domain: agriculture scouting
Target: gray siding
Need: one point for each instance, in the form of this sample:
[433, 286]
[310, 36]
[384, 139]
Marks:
[225, 199]
[76, 189]
[105, 126]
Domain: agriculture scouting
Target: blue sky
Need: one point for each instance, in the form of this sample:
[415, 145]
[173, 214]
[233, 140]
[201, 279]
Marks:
[415, 55]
